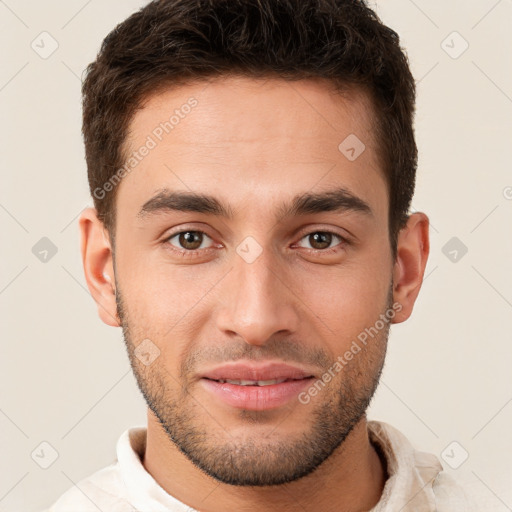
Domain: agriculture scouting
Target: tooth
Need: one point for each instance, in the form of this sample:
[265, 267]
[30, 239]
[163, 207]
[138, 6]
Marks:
[253, 382]
[269, 382]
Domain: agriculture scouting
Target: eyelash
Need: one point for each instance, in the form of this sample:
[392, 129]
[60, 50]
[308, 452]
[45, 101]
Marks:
[190, 254]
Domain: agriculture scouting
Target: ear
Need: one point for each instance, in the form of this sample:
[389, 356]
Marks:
[98, 265]
[412, 252]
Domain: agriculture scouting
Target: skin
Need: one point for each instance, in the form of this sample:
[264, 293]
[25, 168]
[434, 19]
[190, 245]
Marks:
[255, 144]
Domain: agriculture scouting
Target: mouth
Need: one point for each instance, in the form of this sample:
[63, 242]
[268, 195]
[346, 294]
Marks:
[250, 373]
[256, 395]
[260, 383]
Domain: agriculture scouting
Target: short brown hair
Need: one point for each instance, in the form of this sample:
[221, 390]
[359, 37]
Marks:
[174, 42]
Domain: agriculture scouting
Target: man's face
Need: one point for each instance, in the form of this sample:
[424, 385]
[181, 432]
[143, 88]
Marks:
[258, 287]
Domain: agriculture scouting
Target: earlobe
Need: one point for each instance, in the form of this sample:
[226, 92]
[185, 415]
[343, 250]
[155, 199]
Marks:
[98, 265]
[412, 253]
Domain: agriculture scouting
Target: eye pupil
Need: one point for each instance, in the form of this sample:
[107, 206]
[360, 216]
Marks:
[324, 239]
[190, 239]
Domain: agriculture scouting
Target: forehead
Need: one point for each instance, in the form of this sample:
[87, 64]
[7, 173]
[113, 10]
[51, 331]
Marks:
[236, 107]
[239, 136]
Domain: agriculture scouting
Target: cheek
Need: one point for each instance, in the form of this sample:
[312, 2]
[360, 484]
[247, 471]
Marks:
[167, 303]
[158, 289]
[346, 299]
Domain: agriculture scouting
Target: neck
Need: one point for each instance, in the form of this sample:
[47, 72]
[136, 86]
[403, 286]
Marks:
[350, 480]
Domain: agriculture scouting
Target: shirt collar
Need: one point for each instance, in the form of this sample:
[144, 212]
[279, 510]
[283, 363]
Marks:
[143, 492]
[408, 488]
[411, 473]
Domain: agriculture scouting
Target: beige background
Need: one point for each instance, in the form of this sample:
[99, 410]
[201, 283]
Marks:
[65, 378]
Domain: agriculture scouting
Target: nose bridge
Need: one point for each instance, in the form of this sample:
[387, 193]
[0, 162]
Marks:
[256, 279]
[258, 303]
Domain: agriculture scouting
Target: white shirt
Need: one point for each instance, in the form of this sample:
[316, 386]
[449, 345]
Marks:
[416, 480]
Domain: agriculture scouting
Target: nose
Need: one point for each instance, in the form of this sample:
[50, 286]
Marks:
[258, 302]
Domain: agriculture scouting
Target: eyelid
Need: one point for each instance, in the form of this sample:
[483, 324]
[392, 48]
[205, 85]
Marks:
[320, 231]
[303, 233]
[344, 240]
[200, 227]
[168, 237]
[314, 228]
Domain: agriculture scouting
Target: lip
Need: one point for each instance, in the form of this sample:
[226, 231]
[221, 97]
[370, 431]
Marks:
[256, 398]
[268, 371]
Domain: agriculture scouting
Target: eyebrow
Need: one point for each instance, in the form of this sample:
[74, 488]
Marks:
[337, 200]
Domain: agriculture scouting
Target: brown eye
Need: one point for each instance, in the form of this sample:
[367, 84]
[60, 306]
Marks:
[189, 240]
[321, 240]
